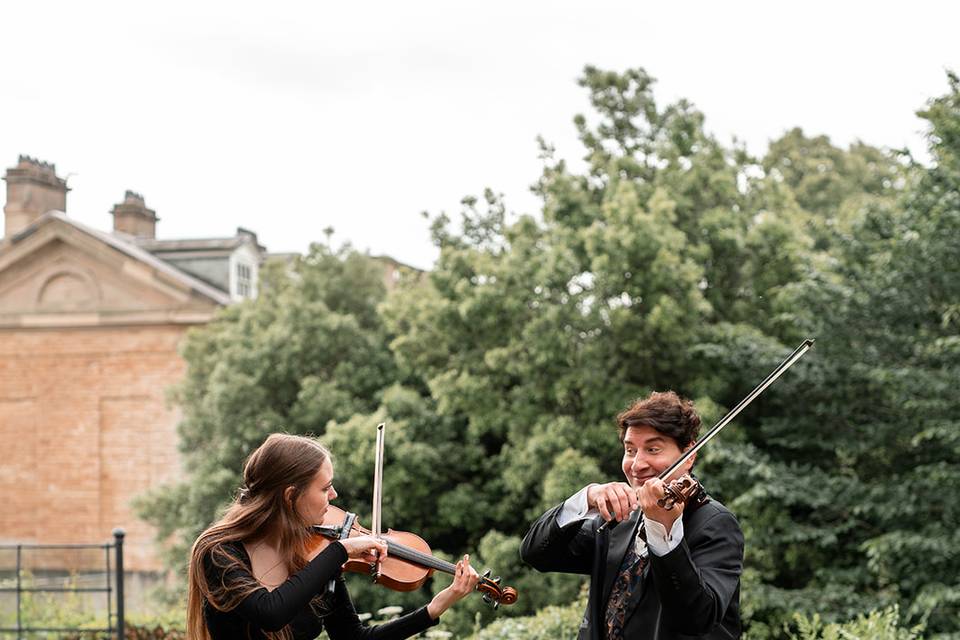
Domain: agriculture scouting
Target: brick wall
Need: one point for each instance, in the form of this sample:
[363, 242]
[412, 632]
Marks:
[84, 427]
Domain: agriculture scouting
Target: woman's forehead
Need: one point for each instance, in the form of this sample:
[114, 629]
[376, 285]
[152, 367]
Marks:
[325, 473]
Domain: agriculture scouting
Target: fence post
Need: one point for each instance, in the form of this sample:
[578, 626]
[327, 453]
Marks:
[19, 587]
[118, 534]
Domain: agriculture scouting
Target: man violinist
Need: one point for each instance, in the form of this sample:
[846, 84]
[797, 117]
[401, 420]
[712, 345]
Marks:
[655, 574]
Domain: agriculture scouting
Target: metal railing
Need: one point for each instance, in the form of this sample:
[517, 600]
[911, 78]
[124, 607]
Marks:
[114, 594]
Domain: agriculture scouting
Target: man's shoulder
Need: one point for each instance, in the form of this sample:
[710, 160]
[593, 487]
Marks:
[712, 511]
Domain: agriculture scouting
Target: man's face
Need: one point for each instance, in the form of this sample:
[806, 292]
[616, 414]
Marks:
[647, 452]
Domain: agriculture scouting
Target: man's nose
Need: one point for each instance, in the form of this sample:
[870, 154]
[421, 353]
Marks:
[639, 463]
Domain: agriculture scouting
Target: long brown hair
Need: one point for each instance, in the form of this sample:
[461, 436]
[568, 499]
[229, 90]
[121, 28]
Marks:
[258, 510]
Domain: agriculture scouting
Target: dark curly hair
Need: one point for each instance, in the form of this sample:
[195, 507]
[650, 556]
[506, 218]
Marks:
[666, 412]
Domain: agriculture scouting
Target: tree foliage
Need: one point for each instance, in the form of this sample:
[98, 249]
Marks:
[309, 351]
[671, 261]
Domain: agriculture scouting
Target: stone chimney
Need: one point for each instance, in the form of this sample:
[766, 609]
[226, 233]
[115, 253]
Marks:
[133, 218]
[33, 188]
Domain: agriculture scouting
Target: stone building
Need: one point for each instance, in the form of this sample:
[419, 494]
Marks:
[90, 322]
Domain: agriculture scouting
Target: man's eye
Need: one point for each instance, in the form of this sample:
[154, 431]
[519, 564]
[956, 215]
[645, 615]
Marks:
[628, 452]
[653, 450]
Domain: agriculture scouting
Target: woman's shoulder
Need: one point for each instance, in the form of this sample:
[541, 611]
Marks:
[225, 554]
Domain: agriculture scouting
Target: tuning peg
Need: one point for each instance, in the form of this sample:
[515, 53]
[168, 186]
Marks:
[496, 605]
[496, 580]
[486, 574]
[487, 599]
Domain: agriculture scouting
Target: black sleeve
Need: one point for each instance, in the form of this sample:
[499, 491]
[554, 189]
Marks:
[342, 622]
[272, 610]
[548, 547]
[697, 580]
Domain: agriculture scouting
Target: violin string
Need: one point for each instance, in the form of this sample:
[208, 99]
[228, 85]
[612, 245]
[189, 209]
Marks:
[406, 553]
[403, 552]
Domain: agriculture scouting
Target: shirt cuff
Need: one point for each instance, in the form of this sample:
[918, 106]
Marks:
[659, 541]
[575, 508]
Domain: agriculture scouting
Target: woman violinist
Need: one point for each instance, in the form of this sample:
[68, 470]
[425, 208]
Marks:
[257, 573]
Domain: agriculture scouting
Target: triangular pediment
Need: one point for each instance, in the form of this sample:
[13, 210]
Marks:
[60, 273]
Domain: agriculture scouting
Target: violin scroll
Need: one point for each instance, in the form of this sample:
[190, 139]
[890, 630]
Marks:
[679, 491]
[493, 593]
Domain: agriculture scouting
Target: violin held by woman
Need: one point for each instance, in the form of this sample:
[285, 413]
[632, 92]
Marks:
[259, 573]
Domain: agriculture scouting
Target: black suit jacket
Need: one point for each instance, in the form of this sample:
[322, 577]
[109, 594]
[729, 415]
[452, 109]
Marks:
[692, 592]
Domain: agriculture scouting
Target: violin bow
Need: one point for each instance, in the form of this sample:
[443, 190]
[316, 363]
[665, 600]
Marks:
[377, 497]
[727, 419]
[507, 595]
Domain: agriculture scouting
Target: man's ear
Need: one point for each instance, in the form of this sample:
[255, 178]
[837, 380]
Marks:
[693, 458]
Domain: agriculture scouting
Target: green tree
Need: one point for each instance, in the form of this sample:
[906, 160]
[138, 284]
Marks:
[859, 515]
[309, 351]
[671, 262]
[674, 263]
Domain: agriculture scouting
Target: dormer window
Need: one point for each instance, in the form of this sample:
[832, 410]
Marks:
[244, 280]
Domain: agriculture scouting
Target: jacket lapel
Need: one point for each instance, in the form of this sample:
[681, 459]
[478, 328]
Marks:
[620, 539]
[634, 600]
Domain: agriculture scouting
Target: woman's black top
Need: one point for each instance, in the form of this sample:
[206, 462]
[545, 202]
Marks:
[289, 603]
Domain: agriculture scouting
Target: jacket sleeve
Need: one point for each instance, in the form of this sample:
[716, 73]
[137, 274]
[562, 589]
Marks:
[570, 549]
[342, 622]
[697, 580]
[272, 610]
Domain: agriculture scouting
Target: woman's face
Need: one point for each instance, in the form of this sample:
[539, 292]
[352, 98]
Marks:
[312, 504]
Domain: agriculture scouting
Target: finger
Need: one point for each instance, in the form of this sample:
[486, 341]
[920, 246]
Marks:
[464, 569]
[656, 484]
[610, 501]
[634, 495]
[622, 504]
[472, 575]
[647, 499]
[654, 492]
[616, 504]
[602, 508]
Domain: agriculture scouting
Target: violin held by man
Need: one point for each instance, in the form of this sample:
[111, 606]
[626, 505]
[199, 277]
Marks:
[664, 559]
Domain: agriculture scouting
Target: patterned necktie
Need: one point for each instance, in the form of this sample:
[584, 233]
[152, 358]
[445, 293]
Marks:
[627, 580]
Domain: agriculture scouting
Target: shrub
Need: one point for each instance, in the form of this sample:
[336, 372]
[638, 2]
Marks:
[876, 625]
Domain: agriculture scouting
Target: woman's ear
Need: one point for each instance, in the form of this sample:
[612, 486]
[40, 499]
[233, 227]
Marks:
[288, 494]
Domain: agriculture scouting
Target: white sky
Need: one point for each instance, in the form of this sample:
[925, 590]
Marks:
[288, 117]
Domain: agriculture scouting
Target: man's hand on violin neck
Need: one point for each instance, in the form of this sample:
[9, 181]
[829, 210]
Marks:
[614, 500]
[652, 491]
